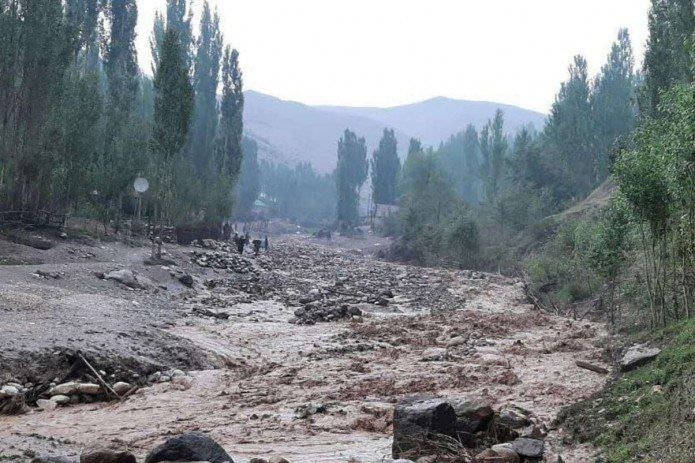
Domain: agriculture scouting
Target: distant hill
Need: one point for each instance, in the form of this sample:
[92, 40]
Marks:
[292, 132]
[434, 120]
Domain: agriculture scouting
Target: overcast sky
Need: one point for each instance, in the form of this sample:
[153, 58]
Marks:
[391, 52]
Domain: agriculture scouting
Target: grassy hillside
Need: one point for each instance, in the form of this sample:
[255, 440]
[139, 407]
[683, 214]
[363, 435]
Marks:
[647, 415]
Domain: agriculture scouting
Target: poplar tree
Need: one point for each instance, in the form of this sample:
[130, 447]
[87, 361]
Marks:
[350, 176]
[232, 110]
[385, 167]
[206, 82]
[173, 107]
[121, 63]
[180, 18]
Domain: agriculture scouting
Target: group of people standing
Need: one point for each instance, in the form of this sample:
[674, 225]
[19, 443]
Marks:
[241, 241]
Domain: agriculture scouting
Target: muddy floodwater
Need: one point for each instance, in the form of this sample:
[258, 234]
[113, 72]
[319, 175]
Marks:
[271, 368]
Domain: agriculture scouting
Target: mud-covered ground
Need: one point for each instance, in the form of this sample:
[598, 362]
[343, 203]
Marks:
[261, 385]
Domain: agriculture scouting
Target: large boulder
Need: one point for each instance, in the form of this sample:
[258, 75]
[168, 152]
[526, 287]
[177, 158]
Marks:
[416, 423]
[638, 355]
[473, 415]
[130, 279]
[527, 447]
[189, 447]
[510, 422]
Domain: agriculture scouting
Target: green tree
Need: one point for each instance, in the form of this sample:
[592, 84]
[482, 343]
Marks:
[570, 132]
[180, 18]
[669, 59]
[83, 21]
[157, 38]
[498, 153]
[459, 158]
[299, 194]
[429, 210]
[121, 63]
[471, 163]
[173, 108]
[350, 175]
[385, 167]
[206, 82]
[248, 186]
[415, 146]
[613, 102]
[35, 53]
[232, 110]
[485, 173]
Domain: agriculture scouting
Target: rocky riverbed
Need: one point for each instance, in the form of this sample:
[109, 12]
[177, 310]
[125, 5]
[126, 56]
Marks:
[302, 352]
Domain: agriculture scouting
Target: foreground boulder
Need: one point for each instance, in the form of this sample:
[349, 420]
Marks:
[527, 447]
[189, 447]
[415, 424]
[473, 416]
[638, 355]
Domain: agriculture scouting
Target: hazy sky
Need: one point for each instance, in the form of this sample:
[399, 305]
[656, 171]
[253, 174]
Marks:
[391, 52]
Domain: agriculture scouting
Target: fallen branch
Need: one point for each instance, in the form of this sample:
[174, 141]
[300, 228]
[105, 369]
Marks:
[101, 381]
[592, 367]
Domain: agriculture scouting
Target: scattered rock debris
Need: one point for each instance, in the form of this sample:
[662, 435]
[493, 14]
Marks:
[290, 356]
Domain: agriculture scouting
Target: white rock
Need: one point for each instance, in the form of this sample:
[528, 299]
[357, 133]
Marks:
[638, 355]
[130, 279]
[64, 389]
[60, 399]
[89, 388]
[46, 405]
[9, 390]
[121, 388]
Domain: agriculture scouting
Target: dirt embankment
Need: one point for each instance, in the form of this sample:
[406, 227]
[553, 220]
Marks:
[301, 352]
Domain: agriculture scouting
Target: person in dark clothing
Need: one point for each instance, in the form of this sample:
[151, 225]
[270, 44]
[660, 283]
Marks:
[240, 243]
[265, 243]
[256, 247]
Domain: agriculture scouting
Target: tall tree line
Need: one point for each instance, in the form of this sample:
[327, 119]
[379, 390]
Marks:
[510, 181]
[79, 121]
[656, 174]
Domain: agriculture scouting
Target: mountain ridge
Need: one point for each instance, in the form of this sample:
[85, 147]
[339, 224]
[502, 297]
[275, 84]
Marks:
[292, 132]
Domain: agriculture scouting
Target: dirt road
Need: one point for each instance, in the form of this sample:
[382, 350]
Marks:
[261, 385]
